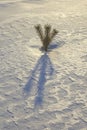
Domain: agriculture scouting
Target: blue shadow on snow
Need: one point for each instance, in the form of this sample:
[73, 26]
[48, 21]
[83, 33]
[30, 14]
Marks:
[43, 69]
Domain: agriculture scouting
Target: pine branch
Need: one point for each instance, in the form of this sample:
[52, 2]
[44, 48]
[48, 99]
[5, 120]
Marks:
[39, 31]
[48, 35]
[53, 34]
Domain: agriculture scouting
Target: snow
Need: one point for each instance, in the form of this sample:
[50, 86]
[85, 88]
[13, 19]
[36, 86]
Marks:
[38, 90]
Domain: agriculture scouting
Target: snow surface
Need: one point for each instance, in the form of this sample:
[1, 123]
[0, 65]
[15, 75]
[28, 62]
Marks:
[43, 91]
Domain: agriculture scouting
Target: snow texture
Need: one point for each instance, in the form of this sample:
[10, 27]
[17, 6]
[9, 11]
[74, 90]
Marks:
[38, 90]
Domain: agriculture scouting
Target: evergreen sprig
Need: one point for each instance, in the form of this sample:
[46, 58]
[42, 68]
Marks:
[46, 38]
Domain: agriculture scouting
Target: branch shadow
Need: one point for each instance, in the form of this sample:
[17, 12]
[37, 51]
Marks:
[44, 69]
[53, 45]
[56, 44]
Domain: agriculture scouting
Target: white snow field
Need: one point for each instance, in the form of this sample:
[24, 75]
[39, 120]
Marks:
[38, 90]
